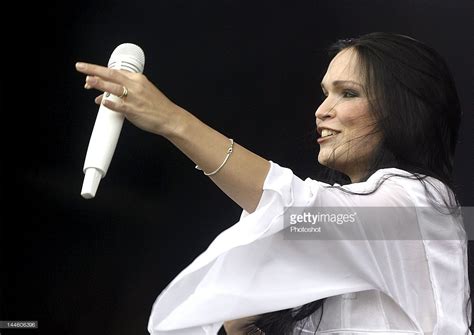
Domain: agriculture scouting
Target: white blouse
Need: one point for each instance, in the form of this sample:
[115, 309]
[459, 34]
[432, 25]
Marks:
[383, 281]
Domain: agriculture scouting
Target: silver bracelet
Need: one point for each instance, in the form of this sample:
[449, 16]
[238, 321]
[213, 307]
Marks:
[229, 151]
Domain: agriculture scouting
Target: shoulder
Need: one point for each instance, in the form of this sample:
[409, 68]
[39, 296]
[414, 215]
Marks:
[387, 177]
[385, 187]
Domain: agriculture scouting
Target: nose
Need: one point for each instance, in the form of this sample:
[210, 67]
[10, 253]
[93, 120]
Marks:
[325, 110]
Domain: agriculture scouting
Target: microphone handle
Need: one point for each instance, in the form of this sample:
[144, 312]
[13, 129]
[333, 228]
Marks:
[102, 144]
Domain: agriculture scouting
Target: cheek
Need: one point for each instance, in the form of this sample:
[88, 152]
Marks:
[356, 119]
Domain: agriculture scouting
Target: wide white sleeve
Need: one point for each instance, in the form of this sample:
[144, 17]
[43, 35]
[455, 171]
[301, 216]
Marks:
[252, 268]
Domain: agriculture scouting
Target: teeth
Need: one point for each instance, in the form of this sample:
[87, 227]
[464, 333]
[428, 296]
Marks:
[327, 132]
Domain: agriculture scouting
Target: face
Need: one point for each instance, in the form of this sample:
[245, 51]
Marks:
[348, 134]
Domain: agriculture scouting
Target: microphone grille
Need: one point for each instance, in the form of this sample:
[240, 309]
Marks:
[129, 51]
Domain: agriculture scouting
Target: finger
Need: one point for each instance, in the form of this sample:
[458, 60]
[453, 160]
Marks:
[104, 86]
[115, 76]
[98, 99]
[114, 105]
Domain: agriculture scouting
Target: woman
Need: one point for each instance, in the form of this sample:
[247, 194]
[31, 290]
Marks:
[389, 122]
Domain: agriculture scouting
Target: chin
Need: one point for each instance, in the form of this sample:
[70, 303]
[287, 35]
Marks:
[324, 160]
[324, 157]
[327, 159]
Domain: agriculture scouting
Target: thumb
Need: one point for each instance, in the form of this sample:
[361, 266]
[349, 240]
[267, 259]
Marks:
[98, 99]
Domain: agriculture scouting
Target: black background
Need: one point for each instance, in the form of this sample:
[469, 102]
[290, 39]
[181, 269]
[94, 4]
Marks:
[250, 69]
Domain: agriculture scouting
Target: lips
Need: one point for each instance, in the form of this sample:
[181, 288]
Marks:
[325, 131]
[326, 134]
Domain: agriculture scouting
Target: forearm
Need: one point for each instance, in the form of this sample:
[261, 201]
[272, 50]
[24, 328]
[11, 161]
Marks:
[244, 173]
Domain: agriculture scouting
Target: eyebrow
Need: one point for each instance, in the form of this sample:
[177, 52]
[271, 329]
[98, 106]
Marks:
[342, 82]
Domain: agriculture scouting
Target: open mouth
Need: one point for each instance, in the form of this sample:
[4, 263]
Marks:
[327, 134]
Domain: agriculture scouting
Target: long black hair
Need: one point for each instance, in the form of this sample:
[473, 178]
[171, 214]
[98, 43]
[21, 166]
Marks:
[414, 101]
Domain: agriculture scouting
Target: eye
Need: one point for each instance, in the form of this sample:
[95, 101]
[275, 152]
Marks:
[349, 94]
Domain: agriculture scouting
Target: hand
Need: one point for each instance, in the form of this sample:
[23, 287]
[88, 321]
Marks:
[241, 326]
[145, 105]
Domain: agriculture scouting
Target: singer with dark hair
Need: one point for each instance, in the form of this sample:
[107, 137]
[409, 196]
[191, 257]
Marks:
[387, 130]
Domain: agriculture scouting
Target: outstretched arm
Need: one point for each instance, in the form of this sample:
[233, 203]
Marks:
[243, 175]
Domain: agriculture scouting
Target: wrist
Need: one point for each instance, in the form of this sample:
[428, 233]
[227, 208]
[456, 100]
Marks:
[178, 126]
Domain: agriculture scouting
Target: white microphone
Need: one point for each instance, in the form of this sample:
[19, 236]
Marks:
[108, 123]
